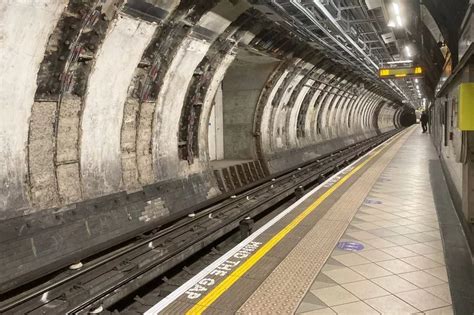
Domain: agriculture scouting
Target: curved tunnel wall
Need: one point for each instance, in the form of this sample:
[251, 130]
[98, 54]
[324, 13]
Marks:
[310, 111]
[107, 91]
[105, 110]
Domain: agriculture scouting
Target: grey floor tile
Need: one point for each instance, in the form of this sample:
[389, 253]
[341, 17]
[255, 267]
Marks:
[399, 240]
[420, 237]
[323, 311]
[441, 291]
[365, 289]
[394, 284]
[354, 308]
[448, 310]
[343, 275]
[399, 252]
[421, 249]
[376, 255]
[397, 266]
[371, 270]
[391, 305]
[383, 232]
[351, 259]
[438, 257]
[334, 295]
[305, 307]
[323, 281]
[422, 262]
[422, 299]
[438, 272]
[421, 279]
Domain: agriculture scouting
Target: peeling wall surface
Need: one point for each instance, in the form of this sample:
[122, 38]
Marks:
[105, 112]
[165, 148]
[24, 31]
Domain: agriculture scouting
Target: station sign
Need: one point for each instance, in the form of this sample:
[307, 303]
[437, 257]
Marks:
[466, 106]
[401, 72]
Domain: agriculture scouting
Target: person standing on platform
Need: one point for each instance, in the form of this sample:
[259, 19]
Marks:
[424, 121]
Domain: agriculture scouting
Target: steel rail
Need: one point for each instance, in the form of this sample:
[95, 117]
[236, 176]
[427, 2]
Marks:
[128, 248]
[337, 158]
[326, 170]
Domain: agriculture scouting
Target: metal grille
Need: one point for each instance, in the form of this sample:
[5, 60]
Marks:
[349, 33]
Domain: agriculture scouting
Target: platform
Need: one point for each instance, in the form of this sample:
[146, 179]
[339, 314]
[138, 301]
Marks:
[366, 241]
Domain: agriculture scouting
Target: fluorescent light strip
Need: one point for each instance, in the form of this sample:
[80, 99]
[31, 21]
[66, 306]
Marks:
[399, 21]
[400, 61]
[407, 50]
[396, 8]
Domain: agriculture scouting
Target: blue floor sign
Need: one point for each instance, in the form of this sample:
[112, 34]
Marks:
[351, 246]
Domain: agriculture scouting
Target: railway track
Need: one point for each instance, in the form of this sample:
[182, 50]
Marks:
[114, 275]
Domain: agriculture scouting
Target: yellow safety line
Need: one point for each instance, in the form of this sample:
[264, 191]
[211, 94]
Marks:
[222, 287]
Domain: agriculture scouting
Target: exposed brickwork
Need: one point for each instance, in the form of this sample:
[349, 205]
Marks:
[41, 147]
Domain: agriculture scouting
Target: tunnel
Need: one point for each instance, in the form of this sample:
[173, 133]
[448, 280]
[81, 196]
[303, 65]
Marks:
[120, 115]
[159, 102]
[154, 75]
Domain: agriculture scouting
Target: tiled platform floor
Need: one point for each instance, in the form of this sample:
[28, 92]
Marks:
[401, 268]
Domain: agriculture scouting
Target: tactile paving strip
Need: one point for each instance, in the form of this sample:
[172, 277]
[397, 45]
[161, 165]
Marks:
[286, 286]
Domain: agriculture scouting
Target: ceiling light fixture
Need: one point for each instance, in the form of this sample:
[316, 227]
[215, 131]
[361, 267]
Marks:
[397, 62]
[399, 21]
[408, 51]
[396, 8]
[396, 20]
